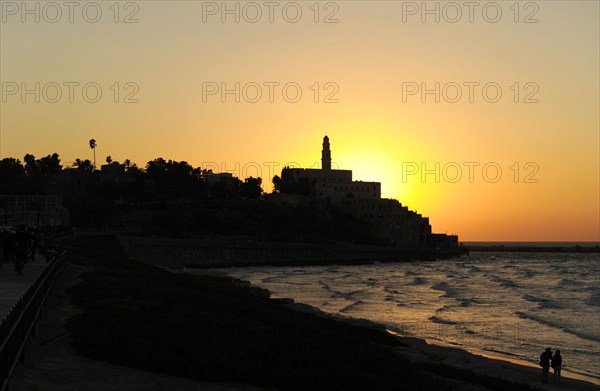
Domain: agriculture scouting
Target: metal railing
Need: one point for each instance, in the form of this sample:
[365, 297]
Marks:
[19, 323]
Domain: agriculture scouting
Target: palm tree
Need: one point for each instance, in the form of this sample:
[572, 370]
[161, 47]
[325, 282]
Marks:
[93, 146]
[83, 165]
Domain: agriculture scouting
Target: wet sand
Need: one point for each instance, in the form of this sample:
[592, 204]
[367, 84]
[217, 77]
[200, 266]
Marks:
[420, 351]
[514, 370]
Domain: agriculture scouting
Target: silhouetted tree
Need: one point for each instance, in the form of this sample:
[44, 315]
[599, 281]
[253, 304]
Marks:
[276, 184]
[251, 188]
[49, 165]
[93, 146]
[39, 171]
[12, 176]
[31, 167]
[83, 165]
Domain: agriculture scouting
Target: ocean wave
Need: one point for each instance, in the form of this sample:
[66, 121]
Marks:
[445, 287]
[419, 281]
[444, 308]
[568, 281]
[267, 280]
[469, 302]
[297, 283]
[540, 320]
[387, 289]
[505, 282]
[528, 274]
[593, 300]
[542, 302]
[371, 282]
[345, 295]
[344, 276]
[438, 320]
[534, 299]
[441, 286]
[352, 306]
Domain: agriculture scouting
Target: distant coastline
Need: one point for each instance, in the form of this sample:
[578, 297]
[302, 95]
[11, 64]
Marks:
[555, 247]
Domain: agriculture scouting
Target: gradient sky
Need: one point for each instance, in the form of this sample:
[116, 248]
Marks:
[370, 55]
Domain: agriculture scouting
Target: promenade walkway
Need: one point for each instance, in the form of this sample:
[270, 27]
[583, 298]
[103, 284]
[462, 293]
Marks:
[12, 285]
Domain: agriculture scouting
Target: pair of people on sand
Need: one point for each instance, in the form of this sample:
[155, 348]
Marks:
[547, 360]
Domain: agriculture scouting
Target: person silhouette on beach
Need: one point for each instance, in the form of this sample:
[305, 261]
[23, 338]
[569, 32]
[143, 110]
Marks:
[545, 364]
[557, 365]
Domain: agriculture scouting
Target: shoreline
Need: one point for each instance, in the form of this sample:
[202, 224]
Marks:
[522, 370]
[515, 361]
[356, 352]
[565, 373]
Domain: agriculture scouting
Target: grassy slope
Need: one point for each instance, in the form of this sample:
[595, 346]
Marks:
[214, 329]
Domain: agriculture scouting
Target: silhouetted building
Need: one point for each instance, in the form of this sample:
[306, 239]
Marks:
[327, 183]
[444, 241]
[212, 177]
[390, 221]
[114, 173]
[33, 210]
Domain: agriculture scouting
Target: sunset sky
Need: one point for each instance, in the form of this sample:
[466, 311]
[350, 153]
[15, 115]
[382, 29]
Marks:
[361, 68]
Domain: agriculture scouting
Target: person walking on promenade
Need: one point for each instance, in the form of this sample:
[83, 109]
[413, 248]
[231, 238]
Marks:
[2, 249]
[557, 366]
[21, 257]
[10, 247]
[23, 244]
[34, 243]
[545, 364]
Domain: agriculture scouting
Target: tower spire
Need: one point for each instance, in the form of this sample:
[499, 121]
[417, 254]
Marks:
[326, 155]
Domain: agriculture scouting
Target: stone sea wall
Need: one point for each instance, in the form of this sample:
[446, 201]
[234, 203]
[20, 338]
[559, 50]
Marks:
[179, 253]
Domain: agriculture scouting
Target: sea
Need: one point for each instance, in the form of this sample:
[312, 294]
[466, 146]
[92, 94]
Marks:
[506, 305]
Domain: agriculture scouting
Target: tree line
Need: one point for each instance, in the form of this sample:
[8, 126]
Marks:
[158, 179]
[168, 197]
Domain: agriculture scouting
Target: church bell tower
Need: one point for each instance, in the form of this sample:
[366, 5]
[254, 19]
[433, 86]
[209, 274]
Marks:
[326, 155]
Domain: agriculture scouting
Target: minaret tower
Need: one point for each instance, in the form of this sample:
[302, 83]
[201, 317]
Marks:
[326, 155]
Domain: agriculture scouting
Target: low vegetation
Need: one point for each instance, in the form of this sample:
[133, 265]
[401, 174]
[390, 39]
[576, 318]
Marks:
[217, 329]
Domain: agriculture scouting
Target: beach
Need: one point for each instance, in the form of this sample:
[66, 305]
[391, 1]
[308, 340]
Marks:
[505, 305]
[55, 360]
